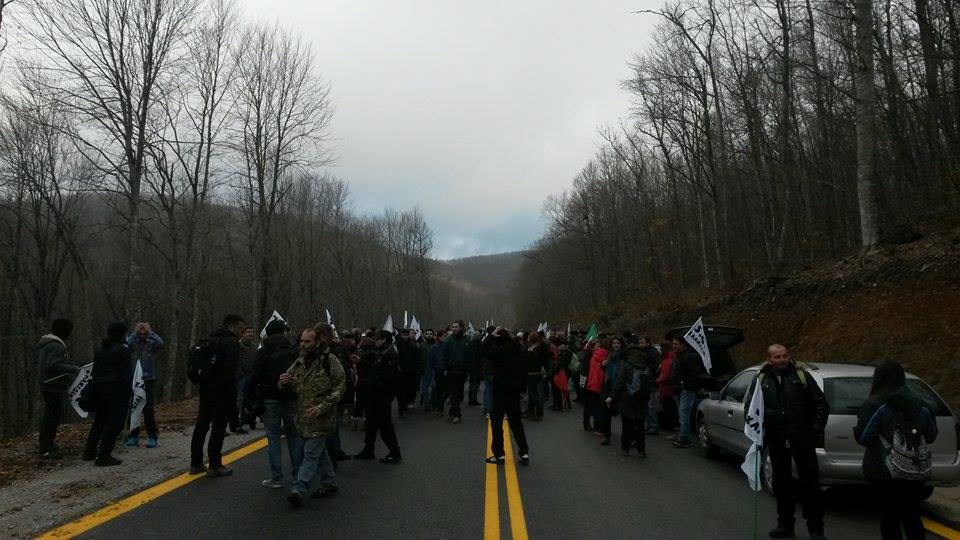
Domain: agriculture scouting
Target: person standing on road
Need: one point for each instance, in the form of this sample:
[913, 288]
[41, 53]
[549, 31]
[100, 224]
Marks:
[427, 379]
[217, 400]
[112, 380]
[537, 358]
[795, 415]
[248, 355]
[144, 344]
[509, 370]
[56, 375]
[382, 385]
[334, 448]
[597, 352]
[455, 363]
[668, 402]
[273, 359]
[630, 394]
[652, 423]
[686, 373]
[893, 411]
[318, 380]
[611, 365]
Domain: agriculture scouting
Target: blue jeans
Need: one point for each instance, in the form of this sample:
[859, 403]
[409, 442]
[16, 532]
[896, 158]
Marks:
[488, 394]
[426, 390]
[652, 422]
[279, 412]
[687, 399]
[316, 461]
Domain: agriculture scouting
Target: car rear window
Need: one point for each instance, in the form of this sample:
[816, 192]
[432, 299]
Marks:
[847, 394]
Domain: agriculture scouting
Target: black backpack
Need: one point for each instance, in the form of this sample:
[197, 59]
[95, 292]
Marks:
[203, 362]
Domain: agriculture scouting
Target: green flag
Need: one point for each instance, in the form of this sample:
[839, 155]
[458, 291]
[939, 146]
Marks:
[593, 332]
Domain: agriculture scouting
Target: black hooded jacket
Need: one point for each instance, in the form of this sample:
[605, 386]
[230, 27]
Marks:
[507, 365]
[273, 359]
[111, 365]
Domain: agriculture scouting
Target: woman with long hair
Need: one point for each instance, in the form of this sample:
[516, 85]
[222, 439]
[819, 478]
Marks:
[894, 420]
[537, 359]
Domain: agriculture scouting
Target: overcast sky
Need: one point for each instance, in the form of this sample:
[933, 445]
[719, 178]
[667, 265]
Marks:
[474, 111]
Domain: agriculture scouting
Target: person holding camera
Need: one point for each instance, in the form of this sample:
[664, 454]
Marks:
[144, 344]
[509, 368]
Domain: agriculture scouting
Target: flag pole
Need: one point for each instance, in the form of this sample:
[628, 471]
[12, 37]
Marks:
[756, 497]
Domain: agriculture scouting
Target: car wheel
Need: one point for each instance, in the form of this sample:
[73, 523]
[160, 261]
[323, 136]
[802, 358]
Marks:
[704, 444]
[767, 473]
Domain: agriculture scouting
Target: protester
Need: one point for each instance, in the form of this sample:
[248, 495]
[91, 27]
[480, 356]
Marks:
[610, 366]
[274, 358]
[509, 371]
[217, 397]
[144, 344]
[894, 419]
[487, 374]
[56, 374]
[318, 381]
[455, 363]
[630, 395]
[536, 356]
[326, 333]
[669, 418]
[383, 374]
[112, 380]
[427, 370]
[593, 415]
[685, 375]
[560, 385]
[248, 355]
[408, 361]
[652, 423]
[795, 415]
[435, 364]
[476, 369]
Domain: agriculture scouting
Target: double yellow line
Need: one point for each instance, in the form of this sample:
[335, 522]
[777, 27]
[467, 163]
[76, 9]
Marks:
[491, 505]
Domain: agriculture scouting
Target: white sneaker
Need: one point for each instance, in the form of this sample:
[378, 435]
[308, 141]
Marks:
[272, 484]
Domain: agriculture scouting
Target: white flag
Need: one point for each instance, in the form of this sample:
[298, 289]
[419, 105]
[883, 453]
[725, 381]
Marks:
[83, 378]
[697, 338]
[471, 331]
[139, 397]
[329, 318]
[406, 320]
[275, 317]
[753, 428]
[388, 325]
[415, 326]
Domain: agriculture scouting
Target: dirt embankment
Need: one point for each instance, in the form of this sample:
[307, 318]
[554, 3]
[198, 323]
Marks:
[900, 303]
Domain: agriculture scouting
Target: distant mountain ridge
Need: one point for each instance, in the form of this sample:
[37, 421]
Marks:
[488, 283]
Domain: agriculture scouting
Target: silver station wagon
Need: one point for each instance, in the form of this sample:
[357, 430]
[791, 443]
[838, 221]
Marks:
[719, 421]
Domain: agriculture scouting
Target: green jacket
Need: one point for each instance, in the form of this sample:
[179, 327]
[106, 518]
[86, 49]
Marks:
[314, 387]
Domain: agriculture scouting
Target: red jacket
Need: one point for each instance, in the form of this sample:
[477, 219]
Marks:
[663, 382]
[596, 374]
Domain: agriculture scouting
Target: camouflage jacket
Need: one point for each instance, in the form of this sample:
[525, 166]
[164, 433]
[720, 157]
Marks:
[313, 388]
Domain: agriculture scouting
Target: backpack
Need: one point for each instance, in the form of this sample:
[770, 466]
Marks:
[907, 455]
[203, 362]
[637, 382]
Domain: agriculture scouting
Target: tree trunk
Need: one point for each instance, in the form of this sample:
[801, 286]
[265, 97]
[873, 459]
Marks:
[866, 126]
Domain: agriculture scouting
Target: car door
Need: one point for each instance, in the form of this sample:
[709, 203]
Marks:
[730, 418]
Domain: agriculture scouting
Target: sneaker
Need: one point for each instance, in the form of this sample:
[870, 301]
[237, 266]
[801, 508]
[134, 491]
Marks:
[391, 459]
[524, 459]
[487, 416]
[197, 469]
[51, 454]
[151, 442]
[496, 460]
[132, 442]
[272, 484]
[216, 472]
[781, 532]
[295, 499]
[324, 492]
[677, 443]
[108, 461]
[456, 420]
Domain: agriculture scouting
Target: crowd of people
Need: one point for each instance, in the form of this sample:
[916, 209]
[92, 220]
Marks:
[306, 387]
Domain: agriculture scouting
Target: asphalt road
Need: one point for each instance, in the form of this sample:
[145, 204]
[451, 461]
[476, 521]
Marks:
[574, 488]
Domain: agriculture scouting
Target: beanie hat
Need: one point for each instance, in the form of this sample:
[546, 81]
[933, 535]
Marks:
[117, 330]
[276, 327]
[61, 328]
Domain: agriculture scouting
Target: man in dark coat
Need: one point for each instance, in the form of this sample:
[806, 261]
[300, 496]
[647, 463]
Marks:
[795, 416]
[455, 364]
[380, 367]
[56, 374]
[112, 380]
[217, 400]
[505, 357]
[687, 370]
